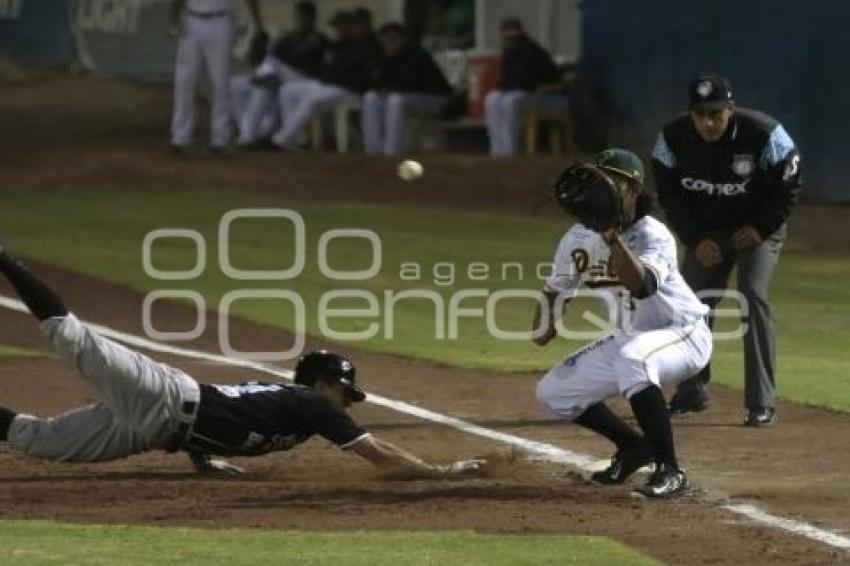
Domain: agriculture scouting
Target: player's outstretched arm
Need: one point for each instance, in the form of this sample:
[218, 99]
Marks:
[400, 464]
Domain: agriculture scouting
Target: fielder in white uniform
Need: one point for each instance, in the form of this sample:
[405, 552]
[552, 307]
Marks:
[662, 335]
[206, 32]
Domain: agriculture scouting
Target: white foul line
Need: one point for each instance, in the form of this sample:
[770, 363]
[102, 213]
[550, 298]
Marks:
[539, 450]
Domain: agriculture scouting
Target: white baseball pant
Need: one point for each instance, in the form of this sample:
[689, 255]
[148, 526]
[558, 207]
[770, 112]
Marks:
[624, 363]
[204, 42]
[504, 111]
[261, 114]
[385, 118]
[299, 100]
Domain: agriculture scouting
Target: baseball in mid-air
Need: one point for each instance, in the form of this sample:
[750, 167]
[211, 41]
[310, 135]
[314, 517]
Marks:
[410, 170]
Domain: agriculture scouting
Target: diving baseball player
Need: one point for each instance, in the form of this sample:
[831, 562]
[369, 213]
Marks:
[206, 31]
[151, 406]
[622, 252]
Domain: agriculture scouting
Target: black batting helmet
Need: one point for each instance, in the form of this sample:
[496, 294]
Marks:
[329, 367]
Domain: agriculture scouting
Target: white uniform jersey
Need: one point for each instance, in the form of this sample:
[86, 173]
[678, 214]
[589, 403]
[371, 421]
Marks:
[583, 258]
[207, 6]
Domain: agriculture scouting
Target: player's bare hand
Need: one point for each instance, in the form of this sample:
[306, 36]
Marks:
[708, 253]
[747, 238]
[464, 469]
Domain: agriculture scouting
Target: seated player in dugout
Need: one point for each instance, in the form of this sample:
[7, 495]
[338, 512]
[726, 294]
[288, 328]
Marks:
[662, 337]
[148, 405]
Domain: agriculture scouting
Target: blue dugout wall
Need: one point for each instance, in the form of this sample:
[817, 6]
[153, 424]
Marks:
[36, 31]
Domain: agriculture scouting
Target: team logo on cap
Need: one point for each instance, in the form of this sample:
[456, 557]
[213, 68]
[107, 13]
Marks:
[345, 365]
[704, 89]
[743, 165]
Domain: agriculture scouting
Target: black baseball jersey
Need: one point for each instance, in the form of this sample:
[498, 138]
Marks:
[749, 176]
[302, 50]
[352, 63]
[527, 66]
[413, 70]
[255, 418]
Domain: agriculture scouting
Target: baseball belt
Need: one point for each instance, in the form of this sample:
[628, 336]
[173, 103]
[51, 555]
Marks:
[209, 15]
[177, 439]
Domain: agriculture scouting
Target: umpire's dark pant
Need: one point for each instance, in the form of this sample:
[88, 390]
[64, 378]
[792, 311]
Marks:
[755, 271]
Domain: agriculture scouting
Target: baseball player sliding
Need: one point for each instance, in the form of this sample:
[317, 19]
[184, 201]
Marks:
[151, 406]
[662, 337]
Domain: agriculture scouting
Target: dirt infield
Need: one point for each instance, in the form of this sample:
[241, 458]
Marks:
[316, 487]
[61, 131]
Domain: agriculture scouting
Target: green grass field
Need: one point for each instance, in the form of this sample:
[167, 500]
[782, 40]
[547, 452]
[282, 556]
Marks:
[103, 237]
[39, 542]
[7, 352]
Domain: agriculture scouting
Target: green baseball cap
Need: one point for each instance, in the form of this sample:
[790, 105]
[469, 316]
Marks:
[621, 161]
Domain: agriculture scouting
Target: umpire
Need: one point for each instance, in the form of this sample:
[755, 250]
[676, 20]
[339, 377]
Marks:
[728, 178]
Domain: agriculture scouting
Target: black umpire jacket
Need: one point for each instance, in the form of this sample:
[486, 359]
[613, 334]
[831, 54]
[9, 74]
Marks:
[749, 176]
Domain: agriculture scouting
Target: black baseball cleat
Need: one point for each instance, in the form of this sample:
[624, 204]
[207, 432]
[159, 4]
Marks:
[623, 464]
[760, 417]
[688, 402]
[665, 483]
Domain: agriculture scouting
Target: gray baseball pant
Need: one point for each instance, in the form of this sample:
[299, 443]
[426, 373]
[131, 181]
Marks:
[754, 272]
[142, 403]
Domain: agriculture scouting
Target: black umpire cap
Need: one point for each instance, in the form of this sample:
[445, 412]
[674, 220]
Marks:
[329, 367]
[709, 92]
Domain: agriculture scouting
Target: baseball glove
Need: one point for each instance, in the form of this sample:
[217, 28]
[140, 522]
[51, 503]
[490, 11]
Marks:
[588, 193]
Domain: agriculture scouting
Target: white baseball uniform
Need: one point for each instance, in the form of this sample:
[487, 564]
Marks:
[503, 112]
[385, 118]
[206, 40]
[144, 402]
[261, 114]
[661, 339]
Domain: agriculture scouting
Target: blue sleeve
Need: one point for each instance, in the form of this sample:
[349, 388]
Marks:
[777, 149]
[781, 163]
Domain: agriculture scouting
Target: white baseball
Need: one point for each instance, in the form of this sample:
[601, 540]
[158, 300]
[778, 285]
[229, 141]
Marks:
[410, 170]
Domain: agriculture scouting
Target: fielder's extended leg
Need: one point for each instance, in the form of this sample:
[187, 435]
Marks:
[650, 410]
[600, 419]
[632, 450]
